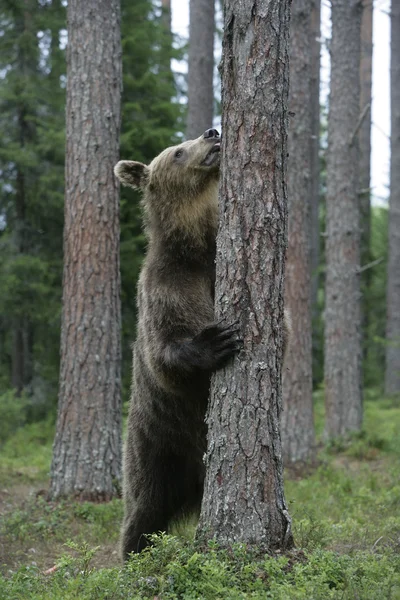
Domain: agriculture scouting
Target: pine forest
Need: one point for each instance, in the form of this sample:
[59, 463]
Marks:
[199, 299]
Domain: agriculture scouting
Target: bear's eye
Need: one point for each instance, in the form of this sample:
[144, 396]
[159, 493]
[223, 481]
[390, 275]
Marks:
[178, 153]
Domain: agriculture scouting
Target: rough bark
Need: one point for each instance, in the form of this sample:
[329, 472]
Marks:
[392, 375]
[315, 170]
[365, 155]
[244, 498]
[87, 448]
[343, 389]
[298, 437]
[201, 67]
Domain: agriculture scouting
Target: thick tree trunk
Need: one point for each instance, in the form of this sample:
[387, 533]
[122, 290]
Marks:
[315, 128]
[365, 156]
[87, 448]
[298, 437]
[201, 67]
[392, 375]
[343, 388]
[243, 498]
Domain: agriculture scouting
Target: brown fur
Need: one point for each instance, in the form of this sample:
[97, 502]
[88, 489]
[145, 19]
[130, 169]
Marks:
[178, 346]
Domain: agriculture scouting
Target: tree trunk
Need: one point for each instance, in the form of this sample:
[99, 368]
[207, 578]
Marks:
[343, 388]
[166, 15]
[392, 375]
[315, 127]
[365, 156]
[201, 67]
[244, 498]
[87, 448]
[166, 20]
[298, 437]
[27, 63]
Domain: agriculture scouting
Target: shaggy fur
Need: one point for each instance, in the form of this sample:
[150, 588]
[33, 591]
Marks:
[178, 346]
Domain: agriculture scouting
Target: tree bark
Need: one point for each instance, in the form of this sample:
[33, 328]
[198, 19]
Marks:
[392, 374]
[244, 498]
[298, 438]
[201, 67]
[365, 156]
[343, 381]
[87, 448]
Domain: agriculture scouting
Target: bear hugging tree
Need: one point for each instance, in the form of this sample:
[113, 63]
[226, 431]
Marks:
[178, 344]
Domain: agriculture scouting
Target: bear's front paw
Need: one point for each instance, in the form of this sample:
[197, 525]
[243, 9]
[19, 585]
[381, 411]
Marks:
[216, 344]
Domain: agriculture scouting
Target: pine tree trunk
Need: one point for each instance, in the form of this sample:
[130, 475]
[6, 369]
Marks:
[392, 375]
[365, 156]
[87, 448]
[27, 64]
[201, 67]
[343, 387]
[298, 437]
[244, 498]
[166, 15]
[315, 128]
[166, 19]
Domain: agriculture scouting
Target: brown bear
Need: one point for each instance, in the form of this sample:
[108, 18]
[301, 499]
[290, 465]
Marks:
[178, 345]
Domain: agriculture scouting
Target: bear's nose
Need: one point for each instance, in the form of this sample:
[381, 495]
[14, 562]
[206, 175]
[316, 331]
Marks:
[210, 133]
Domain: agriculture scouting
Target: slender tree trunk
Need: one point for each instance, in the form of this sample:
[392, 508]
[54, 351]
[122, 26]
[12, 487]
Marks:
[166, 15]
[343, 388]
[201, 67]
[365, 156]
[244, 498]
[392, 375]
[298, 437]
[27, 60]
[87, 448]
[315, 128]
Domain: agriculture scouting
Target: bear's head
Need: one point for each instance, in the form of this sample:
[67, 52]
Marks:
[180, 185]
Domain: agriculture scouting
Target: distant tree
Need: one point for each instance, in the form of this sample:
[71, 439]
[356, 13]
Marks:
[243, 497]
[392, 374]
[87, 448]
[365, 157]
[315, 159]
[201, 67]
[298, 438]
[167, 17]
[166, 21]
[343, 381]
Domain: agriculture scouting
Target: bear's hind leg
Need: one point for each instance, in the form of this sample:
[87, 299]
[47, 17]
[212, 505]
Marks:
[137, 525]
[161, 497]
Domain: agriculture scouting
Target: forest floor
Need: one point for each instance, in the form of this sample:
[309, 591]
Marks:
[346, 522]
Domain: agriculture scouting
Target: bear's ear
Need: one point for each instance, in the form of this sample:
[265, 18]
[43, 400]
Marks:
[132, 173]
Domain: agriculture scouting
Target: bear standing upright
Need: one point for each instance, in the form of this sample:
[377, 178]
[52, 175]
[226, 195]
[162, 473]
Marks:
[178, 345]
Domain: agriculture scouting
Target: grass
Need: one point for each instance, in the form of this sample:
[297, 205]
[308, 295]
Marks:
[346, 521]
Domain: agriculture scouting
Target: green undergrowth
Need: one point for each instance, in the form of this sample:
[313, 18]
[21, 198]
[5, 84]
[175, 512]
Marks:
[346, 523]
[173, 570]
[25, 456]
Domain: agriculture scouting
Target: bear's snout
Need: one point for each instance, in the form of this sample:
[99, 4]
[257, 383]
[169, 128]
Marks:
[210, 133]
